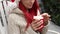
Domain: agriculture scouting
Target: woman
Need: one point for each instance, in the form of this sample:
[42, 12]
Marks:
[21, 19]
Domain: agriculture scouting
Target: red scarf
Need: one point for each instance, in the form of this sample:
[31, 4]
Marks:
[29, 15]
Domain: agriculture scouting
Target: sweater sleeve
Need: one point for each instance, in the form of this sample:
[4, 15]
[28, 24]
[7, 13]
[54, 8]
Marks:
[12, 27]
[16, 24]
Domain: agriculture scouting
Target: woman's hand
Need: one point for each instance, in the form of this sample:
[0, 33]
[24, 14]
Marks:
[36, 24]
[46, 17]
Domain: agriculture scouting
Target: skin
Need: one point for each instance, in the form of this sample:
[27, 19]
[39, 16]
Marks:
[28, 4]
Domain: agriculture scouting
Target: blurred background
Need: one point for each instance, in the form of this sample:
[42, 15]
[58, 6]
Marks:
[53, 8]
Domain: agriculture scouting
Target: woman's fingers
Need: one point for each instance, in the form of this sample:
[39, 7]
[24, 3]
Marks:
[34, 21]
[36, 25]
[39, 27]
[45, 15]
[46, 18]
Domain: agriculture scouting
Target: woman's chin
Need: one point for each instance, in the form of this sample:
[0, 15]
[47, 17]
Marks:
[29, 7]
